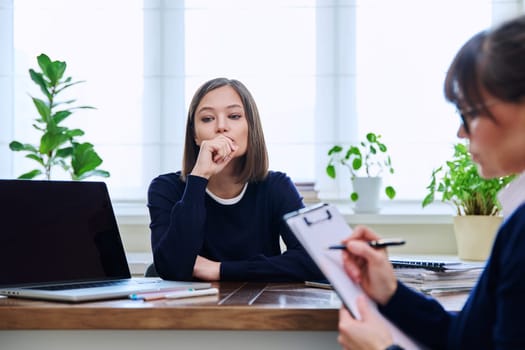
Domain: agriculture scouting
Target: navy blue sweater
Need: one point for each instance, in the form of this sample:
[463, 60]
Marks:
[244, 237]
[493, 316]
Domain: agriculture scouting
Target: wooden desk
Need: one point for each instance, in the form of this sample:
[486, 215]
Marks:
[293, 317]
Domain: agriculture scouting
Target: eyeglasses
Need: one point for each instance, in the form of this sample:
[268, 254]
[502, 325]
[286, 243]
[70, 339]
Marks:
[467, 115]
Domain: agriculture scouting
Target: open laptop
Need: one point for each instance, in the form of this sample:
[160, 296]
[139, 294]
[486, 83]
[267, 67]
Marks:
[59, 240]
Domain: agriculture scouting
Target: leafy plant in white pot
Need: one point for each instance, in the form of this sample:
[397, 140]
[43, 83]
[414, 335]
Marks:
[366, 162]
[475, 200]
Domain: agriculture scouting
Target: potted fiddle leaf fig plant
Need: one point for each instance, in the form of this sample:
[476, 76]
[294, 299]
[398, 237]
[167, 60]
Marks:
[366, 163]
[474, 198]
[58, 145]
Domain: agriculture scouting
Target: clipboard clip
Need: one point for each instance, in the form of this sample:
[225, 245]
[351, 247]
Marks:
[327, 217]
[310, 210]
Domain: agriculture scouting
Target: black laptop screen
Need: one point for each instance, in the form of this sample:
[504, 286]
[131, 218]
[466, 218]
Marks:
[56, 231]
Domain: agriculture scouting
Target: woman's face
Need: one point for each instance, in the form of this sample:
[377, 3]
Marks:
[221, 112]
[497, 145]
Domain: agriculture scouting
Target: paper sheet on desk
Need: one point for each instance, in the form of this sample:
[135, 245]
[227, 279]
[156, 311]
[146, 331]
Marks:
[317, 228]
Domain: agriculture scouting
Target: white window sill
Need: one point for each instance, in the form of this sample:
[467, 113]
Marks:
[392, 212]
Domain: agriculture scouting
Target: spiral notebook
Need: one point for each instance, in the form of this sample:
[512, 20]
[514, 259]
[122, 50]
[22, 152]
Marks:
[434, 263]
[319, 226]
[427, 264]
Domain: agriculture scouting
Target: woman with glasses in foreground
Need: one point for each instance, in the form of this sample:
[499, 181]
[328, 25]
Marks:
[486, 81]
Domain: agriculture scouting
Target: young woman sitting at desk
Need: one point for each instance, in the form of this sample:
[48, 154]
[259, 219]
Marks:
[221, 217]
[486, 81]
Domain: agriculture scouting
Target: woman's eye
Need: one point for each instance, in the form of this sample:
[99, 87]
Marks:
[206, 119]
[235, 116]
[472, 113]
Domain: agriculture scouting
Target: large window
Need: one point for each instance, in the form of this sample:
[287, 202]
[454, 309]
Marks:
[271, 47]
[102, 44]
[322, 72]
[403, 51]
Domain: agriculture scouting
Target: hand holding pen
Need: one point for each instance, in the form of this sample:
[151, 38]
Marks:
[368, 265]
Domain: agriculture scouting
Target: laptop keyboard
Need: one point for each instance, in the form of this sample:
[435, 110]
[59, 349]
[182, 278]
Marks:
[83, 285]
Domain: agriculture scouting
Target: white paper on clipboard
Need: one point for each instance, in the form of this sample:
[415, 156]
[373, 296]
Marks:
[320, 226]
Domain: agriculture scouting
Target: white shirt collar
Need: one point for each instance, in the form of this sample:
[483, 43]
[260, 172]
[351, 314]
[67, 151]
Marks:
[228, 201]
[512, 196]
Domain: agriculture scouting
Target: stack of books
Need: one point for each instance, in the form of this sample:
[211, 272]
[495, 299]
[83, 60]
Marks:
[308, 192]
[436, 277]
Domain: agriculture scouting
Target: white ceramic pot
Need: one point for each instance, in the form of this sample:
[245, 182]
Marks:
[368, 190]
[475, 235]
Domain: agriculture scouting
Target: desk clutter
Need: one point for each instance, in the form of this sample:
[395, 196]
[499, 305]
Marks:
[435, 276]
[308, 192]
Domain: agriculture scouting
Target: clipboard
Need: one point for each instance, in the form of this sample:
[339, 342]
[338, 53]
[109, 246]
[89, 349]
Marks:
[319, 226]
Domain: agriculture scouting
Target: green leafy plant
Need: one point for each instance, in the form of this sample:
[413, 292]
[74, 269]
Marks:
[58, 144]
[459, 183]
[369, 158]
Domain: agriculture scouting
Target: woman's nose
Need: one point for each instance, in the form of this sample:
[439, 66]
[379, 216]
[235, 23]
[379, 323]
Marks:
[222, 124]
[462, 133]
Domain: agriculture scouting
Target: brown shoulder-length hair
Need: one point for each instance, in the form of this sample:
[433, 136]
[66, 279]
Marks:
[253, 166]
[493, 61]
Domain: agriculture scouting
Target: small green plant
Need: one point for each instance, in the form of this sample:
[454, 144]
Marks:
[461, 185]
[58, 144]
[369, 158]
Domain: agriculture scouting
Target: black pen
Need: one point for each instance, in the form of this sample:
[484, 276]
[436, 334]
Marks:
[380, 243]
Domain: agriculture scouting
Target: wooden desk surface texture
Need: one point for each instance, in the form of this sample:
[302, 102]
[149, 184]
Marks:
[239, 306]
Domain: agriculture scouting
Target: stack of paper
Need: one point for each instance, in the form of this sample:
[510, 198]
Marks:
[308, 192]
[451, 277]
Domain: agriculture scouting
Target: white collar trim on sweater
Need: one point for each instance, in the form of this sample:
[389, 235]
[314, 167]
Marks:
[228, 201]
[512, 196]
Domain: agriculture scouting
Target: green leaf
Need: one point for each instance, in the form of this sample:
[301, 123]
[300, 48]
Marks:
[17, 146]
[43, 62]
[50, 141]
[101, 173]
[60, 116]
[354, 196]
[74, 133]
[35, 157]
[42, 109]
[67, 102]
[353, 151]
[390, 192]
[64, 152]
[37, 127]
[371, 137]
[335, 149]
[63, 164]
[30, 175]
[53, 70]
[66, 85]
[428, 199]
[84, 159]
[330, 170]
[357, 163]
[38, 78]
